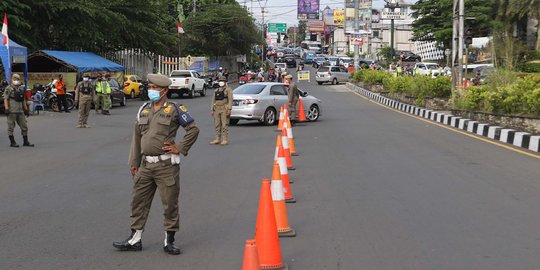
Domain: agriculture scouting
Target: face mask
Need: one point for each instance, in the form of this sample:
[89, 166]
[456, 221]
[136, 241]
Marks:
[221, 84]
[17, 83]
[85, 79]
[154, 95]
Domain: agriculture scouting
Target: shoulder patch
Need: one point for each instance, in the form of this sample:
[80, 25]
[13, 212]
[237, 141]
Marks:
[168, 109]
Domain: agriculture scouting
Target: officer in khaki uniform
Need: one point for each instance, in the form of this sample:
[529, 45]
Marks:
[16, 109]
[293, 97]
[221, 111]
[84, 96]
[154, 162]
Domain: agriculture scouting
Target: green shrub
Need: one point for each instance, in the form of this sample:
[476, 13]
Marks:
[530, 67]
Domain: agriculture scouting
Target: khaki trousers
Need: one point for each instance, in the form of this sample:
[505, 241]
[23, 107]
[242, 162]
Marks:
[291, 106]
[85, 104]
[221, 122]
[165, 177]
[20, 119]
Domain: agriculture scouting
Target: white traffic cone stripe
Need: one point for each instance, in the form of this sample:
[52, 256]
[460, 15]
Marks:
[289, 133]
[282, 166]
[285, 142]
[278, 193]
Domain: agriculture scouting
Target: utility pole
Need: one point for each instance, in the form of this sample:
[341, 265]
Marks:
[194, 6]
[356, 30]
[457, 46]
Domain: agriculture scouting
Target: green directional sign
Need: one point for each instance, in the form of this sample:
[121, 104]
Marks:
[277, 28]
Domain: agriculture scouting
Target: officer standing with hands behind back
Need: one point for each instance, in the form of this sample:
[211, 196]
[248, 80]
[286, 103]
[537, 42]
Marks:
[154, 162]
[221, 111]
[15, 105]
[84, 96]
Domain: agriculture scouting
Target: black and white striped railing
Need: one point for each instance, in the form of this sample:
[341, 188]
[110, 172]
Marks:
[510, 136]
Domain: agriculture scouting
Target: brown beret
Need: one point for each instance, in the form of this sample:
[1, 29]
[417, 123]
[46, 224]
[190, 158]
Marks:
[159, 80]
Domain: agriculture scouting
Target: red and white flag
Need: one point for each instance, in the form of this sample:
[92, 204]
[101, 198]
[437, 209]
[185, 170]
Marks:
[5, 39]
[180, 29]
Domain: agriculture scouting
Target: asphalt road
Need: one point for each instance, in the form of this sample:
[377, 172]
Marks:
[375, 189]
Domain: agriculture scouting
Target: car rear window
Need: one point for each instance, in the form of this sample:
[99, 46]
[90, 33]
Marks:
[249, 89]
[180, 74]
[323, 69]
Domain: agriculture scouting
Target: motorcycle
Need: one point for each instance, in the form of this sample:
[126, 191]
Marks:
[143, 90]
[212, 83]
[49, 98]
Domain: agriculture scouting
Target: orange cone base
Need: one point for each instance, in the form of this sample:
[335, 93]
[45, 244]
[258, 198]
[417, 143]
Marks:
[274, 267]
[291, 200]
[289, 233]
[291, 168]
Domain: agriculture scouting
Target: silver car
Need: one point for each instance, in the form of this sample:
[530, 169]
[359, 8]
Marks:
[331, 74]
[262, 101]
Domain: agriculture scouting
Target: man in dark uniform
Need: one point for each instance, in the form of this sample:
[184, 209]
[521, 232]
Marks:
[154, 162]
[293, 97]
[14, 106]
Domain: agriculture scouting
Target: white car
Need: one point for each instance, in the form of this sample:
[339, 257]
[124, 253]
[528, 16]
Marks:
[187, 82]
[261, 102]
[427, 69]
[282, 66]
[331, 74]
[333, 61]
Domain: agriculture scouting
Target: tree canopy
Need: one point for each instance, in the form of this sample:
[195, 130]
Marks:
[106, 25]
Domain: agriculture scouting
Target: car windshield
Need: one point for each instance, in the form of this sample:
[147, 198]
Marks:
[323, 69]
[249, 89]
[180, 74]
[332, 59]
[432, 66]
[346, 60]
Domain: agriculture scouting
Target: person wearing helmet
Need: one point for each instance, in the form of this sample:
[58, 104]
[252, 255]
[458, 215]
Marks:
[221, 111]
[16, 109]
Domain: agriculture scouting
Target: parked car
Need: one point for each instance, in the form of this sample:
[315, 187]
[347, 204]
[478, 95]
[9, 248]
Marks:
[408, 56]
[281, 66]
[117, 94]
[331, 74]
[427, 69]
[187, 82]
[290, 62]
[261, 102]
[132, 83]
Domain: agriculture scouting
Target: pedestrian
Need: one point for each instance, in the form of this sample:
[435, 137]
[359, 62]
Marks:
[154, 162]
[84, 96]
[16, 109]
[103, 91]
[293, 96]
[221, 111]
[60, 86]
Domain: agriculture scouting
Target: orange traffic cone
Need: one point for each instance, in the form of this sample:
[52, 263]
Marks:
[266, 234]
[278, 196]
[301, 113]
[290, 136]
[251, 258]
[281, 118]
[284, 175]
[285, 143]
[278, 143]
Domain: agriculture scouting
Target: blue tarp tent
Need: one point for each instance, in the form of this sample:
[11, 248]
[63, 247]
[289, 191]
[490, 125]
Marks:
[79, 62]
[17, 55]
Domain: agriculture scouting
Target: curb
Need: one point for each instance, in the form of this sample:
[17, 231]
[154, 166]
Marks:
[505, 135]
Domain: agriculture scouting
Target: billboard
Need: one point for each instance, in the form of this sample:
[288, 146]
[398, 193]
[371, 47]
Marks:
[364, 15]
[308, 9]
[339, 17]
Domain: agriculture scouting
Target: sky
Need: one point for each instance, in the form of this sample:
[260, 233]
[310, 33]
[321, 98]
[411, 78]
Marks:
[284, 11]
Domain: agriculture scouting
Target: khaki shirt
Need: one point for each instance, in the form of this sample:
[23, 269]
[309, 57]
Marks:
[90, 96]
[14, 106]
[293, 93]
[153, 129]
[227, 102]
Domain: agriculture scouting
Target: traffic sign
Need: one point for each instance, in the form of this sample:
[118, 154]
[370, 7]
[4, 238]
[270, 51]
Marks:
[277, 28]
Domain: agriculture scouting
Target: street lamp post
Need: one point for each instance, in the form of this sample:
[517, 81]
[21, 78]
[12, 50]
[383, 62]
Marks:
[391, 5]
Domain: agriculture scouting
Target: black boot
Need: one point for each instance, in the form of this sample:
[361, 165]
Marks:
[133, 243]
[169, 246]
[26, 142]
[13, 143]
